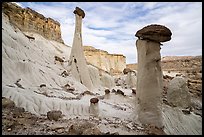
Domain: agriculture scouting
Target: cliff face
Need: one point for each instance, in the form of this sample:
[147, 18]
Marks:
[178, 63]
[182, 63]
[27, 19]
[112, 63]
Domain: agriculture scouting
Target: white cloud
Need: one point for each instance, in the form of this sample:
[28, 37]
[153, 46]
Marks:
[112, 26]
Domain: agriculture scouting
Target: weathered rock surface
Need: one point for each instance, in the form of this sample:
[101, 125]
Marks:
[149, 82]
[178, 63]
[131, 79]
[27, 19]
[77, 61]
[182, 63]
[112, 63]
[178, 92]
[79, 11]
[54, 115]
[154, 32]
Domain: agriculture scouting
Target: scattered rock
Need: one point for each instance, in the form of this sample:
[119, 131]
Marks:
[67, 85]
[107, 91]
[54, 115]
[126, 70]
[71, 89]
[120, 92]
[64, 74]
[130, 126]
[18, 84]
[185, 111]
[87, 92]
[43, 85]
[29, 37]
[177, 75]
[59, 59]
[167, 77]
[133, 91]
[113, 90]
[94, 100]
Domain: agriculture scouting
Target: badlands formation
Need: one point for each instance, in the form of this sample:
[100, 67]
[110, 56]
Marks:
[51, 88]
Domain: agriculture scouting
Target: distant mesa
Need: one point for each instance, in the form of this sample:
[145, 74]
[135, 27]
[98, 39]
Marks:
[79, 12]
[154, 32]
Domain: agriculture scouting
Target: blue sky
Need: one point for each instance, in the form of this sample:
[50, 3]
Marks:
[111, 26]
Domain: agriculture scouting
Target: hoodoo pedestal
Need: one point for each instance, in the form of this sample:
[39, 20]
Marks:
[149, 77]
[77, 61]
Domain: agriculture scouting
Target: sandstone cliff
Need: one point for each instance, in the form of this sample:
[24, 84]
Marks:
[178, 63]
[112, 63]
[182, 63]
[27, 19]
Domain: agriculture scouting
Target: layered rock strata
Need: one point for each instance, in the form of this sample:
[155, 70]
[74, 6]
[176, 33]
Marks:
[27, 19]
[112, 63]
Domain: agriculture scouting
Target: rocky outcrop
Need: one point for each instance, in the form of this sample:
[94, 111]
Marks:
[182, 63]
[77, 61]
[178, 63]
[149, 74]
[112, 63]
[27, 19]
[178, 92]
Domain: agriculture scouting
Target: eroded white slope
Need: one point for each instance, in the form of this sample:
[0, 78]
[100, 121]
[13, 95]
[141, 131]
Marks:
[32, 63]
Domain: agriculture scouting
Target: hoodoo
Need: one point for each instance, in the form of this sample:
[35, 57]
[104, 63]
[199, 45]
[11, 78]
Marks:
[149, 77]
[77, 61]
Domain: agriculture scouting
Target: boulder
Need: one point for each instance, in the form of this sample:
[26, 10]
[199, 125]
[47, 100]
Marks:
[154, 32]
[94, 100]
[54, 115]
[107, 91]
[178, 92]
[120, 92]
